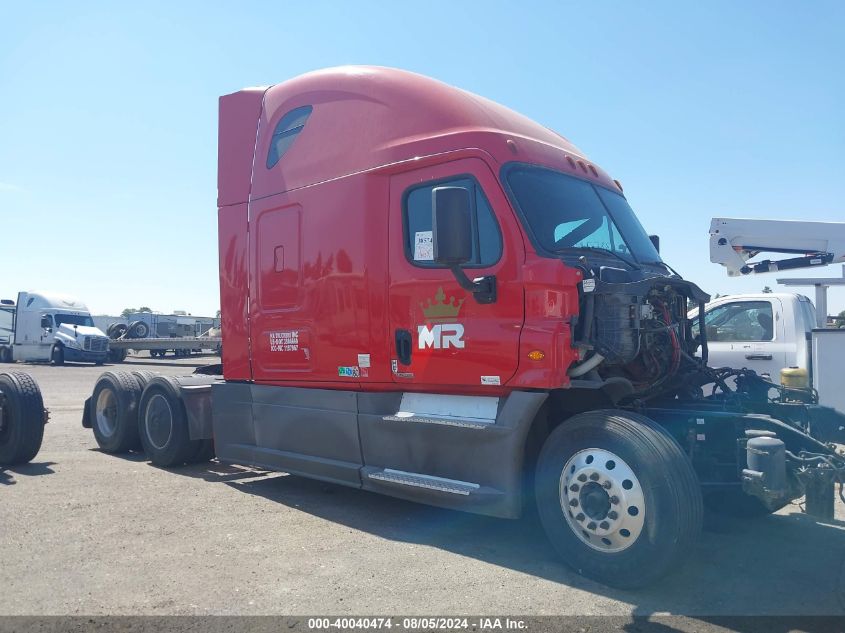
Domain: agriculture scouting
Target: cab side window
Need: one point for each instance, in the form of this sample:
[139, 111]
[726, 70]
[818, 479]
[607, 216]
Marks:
[417, 208]
[287, 129]
[748, 321]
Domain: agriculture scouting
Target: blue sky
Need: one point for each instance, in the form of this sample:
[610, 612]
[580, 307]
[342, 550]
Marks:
[108, 118]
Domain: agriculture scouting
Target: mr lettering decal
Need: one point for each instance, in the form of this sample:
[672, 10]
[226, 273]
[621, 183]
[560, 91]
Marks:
[439, 333]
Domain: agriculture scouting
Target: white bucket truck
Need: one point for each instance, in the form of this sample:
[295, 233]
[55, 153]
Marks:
[49, 328]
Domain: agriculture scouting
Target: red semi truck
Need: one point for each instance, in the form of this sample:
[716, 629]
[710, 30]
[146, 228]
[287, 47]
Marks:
[428, 295]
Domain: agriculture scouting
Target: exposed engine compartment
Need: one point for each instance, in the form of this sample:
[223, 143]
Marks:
[642, 352]
[636, 327]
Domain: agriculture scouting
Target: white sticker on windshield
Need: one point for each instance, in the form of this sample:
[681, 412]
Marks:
[423, 246]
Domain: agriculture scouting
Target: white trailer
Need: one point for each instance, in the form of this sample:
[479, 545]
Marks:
[181, 346]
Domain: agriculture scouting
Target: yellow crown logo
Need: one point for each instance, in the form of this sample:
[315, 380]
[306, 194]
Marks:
[438, 310]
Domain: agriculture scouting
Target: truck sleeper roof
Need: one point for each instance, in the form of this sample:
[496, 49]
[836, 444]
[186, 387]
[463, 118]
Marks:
[363, 117]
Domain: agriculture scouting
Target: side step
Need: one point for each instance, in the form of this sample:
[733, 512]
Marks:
[429, 482]
[466, 424]
[467, 412]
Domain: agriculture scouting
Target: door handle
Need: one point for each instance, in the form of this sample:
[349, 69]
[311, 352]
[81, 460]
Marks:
[403, 346]
[758, 356]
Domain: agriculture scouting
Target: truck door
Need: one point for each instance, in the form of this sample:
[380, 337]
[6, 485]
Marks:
[747, 333]
[439, 334]
[34, 335]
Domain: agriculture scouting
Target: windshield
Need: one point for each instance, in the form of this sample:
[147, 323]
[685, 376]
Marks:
[568, 213]
[74, 319]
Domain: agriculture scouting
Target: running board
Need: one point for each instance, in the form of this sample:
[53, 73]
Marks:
[467, 412]
[429, 482]
[464, 424]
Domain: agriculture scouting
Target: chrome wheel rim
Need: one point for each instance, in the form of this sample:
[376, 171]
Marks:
[158, 421]
[602, 500]
[106, 412]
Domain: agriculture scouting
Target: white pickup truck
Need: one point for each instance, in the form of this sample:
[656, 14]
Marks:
[769, 331]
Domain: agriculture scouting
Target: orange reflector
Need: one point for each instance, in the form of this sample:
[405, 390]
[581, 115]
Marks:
[536, 354]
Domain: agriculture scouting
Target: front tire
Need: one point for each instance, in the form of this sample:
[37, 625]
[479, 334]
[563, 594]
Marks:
[617, 497]
[22, 426]
[117, 355]
[57, 355]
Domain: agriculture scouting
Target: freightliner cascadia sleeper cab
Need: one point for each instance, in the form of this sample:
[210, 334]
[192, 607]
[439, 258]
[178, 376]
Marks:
[52, 328]
[427, 295]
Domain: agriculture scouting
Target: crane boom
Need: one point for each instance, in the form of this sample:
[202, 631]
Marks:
[734, 241]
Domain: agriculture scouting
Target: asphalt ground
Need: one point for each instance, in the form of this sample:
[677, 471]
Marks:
[84, 532]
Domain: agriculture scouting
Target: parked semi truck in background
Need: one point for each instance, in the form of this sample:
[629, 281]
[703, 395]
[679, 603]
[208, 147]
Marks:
[49, 328]
[427, 295]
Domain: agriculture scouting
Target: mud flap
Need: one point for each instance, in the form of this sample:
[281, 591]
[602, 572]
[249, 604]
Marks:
[86, 414]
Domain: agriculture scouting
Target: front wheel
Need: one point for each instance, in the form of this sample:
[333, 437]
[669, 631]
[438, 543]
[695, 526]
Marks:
[617, 497]
[117, 355]
[57, 355]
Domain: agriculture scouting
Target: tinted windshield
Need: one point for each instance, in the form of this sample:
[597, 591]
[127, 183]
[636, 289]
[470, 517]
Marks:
[565, 213]
[74, 319]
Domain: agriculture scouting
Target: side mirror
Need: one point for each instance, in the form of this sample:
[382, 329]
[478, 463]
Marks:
[45, 322]
[451, 236]
[655, 240]
[451, 225]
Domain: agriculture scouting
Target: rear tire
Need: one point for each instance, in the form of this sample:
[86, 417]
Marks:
[163, 427]
[114, 412]
[143, 376]
[617, 497]
[22, 428]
